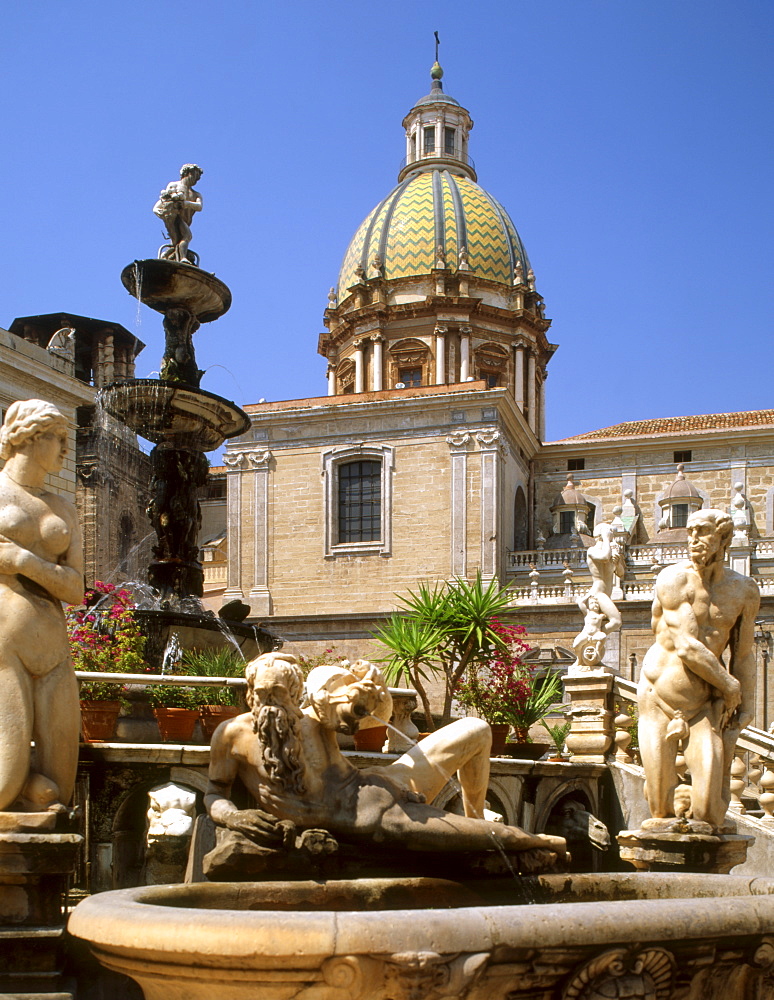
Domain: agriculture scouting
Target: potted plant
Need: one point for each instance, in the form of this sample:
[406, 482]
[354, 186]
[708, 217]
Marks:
[215, 704]
[558, 733]
[505, 691]
[176, 708]
[104, 638]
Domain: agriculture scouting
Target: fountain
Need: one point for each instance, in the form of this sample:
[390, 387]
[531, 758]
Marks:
[183, 422]
[435, 909]
[469, 929]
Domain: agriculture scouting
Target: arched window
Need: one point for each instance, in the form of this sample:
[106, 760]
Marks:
[359, 501]
[520, 525]
[409, 363]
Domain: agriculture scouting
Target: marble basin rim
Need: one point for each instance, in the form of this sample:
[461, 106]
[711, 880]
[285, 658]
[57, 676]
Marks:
[153, 934]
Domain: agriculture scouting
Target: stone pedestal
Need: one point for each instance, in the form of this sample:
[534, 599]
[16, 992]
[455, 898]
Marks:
[665, 851]
[35, 869]
[592, 729]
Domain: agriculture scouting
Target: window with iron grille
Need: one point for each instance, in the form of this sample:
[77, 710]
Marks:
[566, 521]
[360, 501]
[448, 141]
[410, 376]
[679, 515]
[429, 139]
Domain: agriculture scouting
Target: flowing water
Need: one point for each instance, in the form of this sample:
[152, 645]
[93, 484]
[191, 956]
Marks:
[523, 883]
[173, 655]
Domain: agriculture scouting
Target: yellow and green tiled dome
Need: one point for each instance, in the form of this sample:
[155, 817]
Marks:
[431, 209]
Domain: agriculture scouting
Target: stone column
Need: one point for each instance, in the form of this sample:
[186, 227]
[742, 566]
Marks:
[459, 444]
[440, 355]
[491, 448]
[235, 462]
[331, 376]
[464, 353]
[105, 359]
[359, 383]
[542, 407]
[260, 596]
[376, 376]
[531, 395]
[591, 735]
[519, 377]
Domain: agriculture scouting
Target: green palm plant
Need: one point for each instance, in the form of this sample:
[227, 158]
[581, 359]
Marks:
[413, 645]
[452, 628]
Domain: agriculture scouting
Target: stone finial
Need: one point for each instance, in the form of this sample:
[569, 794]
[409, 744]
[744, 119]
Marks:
[332, 299]
[376, 265]
[440, 257]
[463, 263]
[531, 280]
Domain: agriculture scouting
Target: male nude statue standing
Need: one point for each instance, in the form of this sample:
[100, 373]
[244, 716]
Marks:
[290, 762]
[175, 207]
[687, 692]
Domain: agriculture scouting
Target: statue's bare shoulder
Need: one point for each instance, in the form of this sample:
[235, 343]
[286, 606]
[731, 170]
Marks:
[674, 584]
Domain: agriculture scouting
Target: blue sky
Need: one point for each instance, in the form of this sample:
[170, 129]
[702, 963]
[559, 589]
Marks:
[630, 142]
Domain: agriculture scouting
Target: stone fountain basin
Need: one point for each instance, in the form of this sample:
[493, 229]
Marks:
[388, 939]
[177, 414]
[168, 284]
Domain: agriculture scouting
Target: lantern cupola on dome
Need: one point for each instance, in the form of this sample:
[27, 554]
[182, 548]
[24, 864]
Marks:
[437, 130]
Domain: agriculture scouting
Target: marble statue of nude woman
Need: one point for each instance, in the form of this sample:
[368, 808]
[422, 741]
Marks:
[41, 566]
[289, 760]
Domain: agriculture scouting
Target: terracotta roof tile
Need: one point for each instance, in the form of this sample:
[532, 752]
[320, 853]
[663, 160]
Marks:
[679, 425]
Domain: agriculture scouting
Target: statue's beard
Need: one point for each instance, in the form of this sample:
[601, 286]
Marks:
[281, 748]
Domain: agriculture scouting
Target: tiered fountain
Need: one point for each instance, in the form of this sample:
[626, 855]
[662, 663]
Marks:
[643, 936]
[183, 421]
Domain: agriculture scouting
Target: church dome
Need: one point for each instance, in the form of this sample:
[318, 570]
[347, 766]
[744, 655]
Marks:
[435, 208]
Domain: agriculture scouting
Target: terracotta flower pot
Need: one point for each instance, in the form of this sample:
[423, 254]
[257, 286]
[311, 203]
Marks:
[211, 717]
[500, 732]
[98, 720]
[176, 725]
[371, 739]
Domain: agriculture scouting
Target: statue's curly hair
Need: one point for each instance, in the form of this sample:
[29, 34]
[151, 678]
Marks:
[290, 669]
[24, 419]
[190, 168]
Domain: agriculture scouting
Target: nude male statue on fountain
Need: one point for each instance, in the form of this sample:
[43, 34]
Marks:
[176, 207]
[701, 611]
[289, 760]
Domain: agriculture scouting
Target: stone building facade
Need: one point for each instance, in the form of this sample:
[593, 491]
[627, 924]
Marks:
[427, 459]
[66, 359]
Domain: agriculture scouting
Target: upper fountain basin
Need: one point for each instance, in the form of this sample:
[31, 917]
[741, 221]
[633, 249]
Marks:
[179, 415]
[167, 284]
